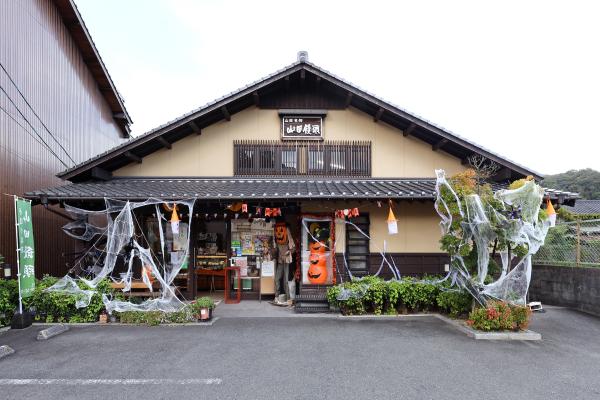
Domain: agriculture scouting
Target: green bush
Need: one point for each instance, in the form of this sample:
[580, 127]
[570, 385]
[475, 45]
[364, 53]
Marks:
[9, 300]
[60, 307]
[153, 318]
[332, 294]
[375, 296]
[455, 302]
[372, 294]
[418, 296]
[498, 316]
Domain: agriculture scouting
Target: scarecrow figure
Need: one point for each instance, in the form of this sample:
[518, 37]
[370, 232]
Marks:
[284, 246]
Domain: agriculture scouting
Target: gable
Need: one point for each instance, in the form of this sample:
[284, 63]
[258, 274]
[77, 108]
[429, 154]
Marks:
[211, 153]
[301, 85]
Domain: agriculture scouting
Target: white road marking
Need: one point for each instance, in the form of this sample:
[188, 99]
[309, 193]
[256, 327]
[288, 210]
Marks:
[72, 382]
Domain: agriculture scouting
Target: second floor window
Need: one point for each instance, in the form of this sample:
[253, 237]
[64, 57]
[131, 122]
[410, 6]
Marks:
[328, 158]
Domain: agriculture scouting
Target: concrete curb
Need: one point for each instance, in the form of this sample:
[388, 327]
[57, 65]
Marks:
[459, 325]
[55, 330]
[479, 335]
[6, 351]
[4, 329]
[88, 324]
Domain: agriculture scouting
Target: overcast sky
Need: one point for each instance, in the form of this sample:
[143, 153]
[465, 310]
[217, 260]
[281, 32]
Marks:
[521, 78]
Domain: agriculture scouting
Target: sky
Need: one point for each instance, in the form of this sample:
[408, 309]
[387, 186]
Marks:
[521, 78]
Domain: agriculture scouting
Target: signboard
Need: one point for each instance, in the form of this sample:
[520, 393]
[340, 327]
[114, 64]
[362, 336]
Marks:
[26, 248]
[301, 128]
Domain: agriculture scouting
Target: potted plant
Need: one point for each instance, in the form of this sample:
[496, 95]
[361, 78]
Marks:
[103, 319]
[204, 307]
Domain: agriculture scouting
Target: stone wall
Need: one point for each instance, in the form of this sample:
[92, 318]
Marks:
[574, 287]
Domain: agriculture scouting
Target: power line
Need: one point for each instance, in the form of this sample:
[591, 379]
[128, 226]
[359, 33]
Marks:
[34, 113]
[21, 125]
[31, 126]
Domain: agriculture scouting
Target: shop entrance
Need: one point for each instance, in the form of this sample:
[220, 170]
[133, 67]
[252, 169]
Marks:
[240, 257]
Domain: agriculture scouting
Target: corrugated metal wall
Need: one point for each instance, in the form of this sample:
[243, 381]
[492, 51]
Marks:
[44, 62]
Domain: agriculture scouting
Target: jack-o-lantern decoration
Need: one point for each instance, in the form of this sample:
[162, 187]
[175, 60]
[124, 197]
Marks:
[317, 270]
[317, 247]
[281, 233]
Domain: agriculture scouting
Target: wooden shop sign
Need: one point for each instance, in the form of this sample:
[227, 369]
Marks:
[298, 127]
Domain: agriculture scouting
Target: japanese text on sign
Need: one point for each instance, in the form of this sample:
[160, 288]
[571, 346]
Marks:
[302, 127]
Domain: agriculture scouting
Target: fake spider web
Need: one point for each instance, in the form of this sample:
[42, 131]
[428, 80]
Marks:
[518, 220]
[115, 227]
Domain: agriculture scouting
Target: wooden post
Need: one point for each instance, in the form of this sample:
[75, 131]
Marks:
[578, 249]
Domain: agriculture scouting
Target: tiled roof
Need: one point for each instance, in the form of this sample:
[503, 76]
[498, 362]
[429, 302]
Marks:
[246, 188]
[585, 207]
[280, 74]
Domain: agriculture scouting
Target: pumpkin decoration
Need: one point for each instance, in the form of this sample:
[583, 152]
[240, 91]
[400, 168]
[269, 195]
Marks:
[317, 247]
[281, 233]
[317, 270]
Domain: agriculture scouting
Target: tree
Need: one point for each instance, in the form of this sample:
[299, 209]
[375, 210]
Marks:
[478, 223]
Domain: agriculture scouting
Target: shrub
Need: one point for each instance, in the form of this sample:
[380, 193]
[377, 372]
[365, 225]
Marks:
[153, 318]
[60, 307]
[375, 296]
[498, 315]
[9, 300]
[332, 294]
[455, 302]
[418, 295]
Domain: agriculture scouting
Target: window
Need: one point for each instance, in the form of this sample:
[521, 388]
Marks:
[316, 160]
[338, 160]
[357, 246]
[289, 160]
[266, 160]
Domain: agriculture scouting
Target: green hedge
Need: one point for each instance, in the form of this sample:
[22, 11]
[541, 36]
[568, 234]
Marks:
[9, 300]
[373, 294]
[60, 307]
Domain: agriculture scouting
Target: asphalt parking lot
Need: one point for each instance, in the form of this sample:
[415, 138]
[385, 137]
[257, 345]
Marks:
[305, 358]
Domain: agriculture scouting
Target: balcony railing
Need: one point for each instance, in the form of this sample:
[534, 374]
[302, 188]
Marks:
[327, 158]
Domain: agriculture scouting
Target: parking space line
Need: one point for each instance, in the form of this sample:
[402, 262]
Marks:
[72, 382]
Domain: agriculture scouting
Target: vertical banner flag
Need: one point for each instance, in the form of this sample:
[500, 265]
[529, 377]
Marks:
[26, 250]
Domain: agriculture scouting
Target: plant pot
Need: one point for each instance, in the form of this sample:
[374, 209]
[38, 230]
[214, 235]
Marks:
[113, 318]
[103, 318]
[205, 314]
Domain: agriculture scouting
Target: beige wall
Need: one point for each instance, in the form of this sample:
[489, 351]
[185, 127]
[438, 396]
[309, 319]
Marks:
[211, 154]
[418, 226]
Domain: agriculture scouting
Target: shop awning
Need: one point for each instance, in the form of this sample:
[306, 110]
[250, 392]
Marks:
[245, 189]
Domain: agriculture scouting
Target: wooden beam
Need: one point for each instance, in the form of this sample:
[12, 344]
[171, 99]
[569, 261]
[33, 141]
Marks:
[348, 99]
[133, 157]
[286, 80]
[225, 112]
[101, 174]
[409, 129]
[318, 81]
[302, 76]
[378, 114]
[195, 128]
[439, 144]
[255, 99]
[165, 143]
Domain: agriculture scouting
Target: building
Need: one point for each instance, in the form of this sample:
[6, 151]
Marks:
[585, 208]
[58, 107]
[301, 146]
